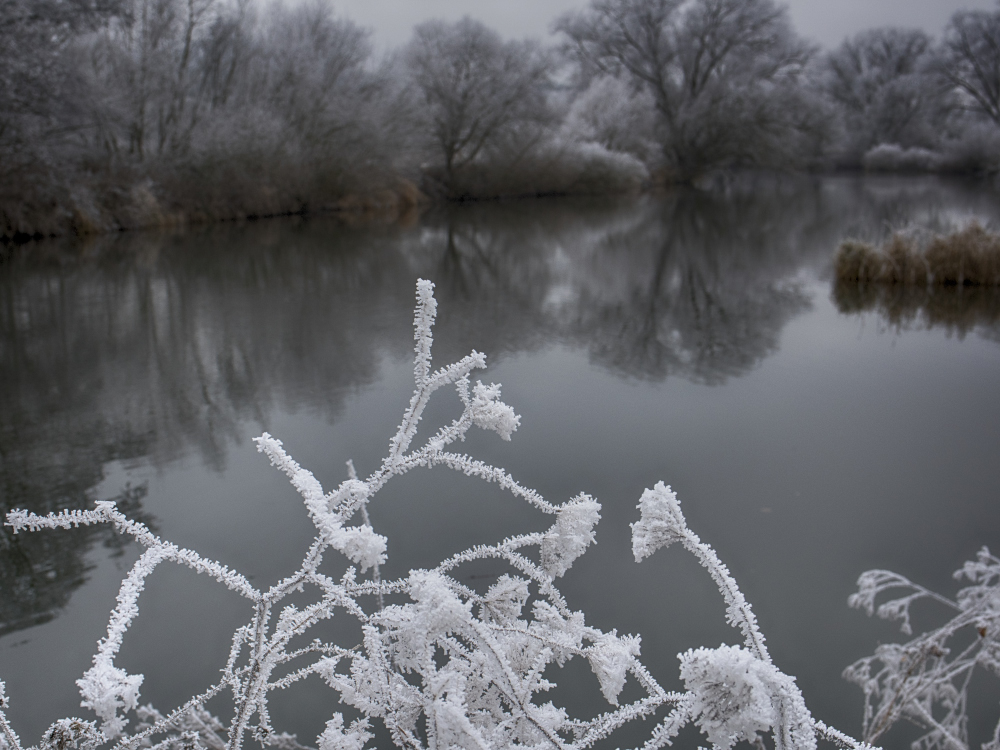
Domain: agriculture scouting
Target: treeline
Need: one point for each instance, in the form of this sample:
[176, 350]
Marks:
[123, 113]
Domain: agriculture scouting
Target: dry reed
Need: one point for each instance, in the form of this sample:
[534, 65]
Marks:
[967, 257]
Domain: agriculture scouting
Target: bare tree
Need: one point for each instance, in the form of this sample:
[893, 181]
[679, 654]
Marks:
[478, 90]
[970, 61]
[723, 73]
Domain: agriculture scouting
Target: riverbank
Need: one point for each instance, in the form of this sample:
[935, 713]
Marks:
[144, 204]
[81, 204]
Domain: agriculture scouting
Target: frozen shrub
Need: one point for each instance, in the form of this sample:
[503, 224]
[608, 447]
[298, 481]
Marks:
[594, 168]
[438, 663]
[889, 157]
[553, 166]
[926, 680]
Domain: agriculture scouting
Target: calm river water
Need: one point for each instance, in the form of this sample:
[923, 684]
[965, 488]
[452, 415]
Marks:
[690, 337]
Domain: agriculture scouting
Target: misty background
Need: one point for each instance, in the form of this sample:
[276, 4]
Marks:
[129, 113]
[826, 24]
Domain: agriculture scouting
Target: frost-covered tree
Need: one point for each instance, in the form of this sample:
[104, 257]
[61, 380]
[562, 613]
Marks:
[229, 107]
[880, 81]
[310, 66]
[479, 92]
[723, 75]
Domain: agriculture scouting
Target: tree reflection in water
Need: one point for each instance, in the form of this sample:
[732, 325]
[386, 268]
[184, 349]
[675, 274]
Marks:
[147, 347]
[700, 288]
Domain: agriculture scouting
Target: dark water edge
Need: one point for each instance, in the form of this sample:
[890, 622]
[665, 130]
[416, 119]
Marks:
[690, 336]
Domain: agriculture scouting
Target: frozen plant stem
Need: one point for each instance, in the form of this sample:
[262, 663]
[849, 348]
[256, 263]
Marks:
[442, 665]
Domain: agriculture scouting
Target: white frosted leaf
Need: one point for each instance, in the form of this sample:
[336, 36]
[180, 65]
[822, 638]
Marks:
[610, 659]
[660, 524]
[571, 534]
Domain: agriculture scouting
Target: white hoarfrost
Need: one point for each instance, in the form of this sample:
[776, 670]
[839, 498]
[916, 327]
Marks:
[335, 738]
[438, 664]
[489, 413]
[660, 523]
[572, 533]
[736, 696]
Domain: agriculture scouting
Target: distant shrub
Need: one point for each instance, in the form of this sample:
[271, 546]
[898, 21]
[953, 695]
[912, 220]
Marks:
[857, 261]
[967, 257]
[888, 157]
[553, 167]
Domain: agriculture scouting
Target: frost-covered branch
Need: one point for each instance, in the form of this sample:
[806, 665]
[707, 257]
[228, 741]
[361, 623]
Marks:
[662, 523]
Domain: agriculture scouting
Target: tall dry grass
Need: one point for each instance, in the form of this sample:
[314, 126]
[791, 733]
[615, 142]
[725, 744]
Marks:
[967, 257]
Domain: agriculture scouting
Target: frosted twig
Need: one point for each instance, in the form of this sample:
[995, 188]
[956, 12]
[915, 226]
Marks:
[13, 741]
[175, 716]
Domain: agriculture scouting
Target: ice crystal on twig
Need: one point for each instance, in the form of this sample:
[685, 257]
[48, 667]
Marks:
[736, 696]
[438, 664]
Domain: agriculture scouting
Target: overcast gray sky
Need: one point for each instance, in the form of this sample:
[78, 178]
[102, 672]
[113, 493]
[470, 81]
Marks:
[823, 21]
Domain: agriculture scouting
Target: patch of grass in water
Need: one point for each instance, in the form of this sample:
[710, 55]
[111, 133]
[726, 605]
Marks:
[969, 257]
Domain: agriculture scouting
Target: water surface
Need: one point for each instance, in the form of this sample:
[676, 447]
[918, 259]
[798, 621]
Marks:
[691, 337]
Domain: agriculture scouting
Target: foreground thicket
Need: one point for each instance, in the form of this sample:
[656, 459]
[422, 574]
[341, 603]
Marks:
[442, 664]
[125, 113]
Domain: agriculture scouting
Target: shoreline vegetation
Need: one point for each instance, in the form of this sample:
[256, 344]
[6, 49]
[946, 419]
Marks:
[120, 114]
[948, 280]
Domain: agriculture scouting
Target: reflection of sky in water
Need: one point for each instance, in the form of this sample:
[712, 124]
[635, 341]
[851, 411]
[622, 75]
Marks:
[682, 337]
